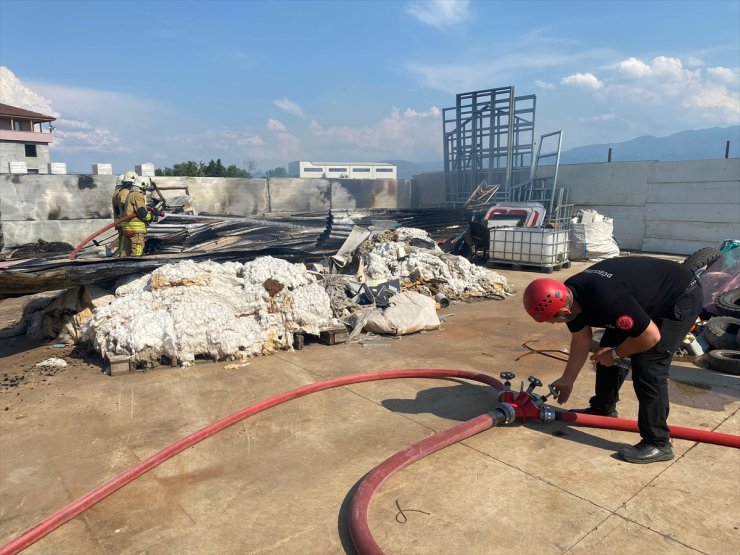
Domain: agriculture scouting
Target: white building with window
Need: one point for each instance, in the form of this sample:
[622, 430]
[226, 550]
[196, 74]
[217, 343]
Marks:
[24, 143]
[342, 170]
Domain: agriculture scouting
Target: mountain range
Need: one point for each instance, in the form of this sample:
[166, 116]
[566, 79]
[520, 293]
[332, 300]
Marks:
[695, 144]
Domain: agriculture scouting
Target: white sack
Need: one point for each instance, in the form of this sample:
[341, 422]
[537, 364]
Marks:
[593, 240]
[407, 313]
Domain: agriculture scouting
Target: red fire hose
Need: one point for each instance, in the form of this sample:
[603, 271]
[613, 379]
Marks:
[359, 528]
[89, 238]
[677, 432]
[83, 503]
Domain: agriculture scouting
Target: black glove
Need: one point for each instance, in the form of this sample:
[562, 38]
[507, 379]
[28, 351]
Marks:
[154, 213]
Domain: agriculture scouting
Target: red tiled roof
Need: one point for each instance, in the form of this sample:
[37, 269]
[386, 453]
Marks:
[13, 112]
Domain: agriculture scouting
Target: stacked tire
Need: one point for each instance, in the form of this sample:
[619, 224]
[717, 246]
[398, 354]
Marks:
[722, 332]
[702, 259]
[723, 335]
[728, 303]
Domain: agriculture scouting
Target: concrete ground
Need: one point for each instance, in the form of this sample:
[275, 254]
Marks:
[281, 481]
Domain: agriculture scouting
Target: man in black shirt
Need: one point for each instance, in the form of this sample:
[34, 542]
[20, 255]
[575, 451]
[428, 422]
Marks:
[647, 306]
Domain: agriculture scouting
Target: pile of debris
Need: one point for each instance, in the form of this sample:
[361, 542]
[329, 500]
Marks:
[388, 282]
[411, 255]
[226, 311]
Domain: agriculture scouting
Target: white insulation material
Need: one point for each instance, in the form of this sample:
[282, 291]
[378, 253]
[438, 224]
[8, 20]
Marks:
[53, 362]
[452, 275]
[222, 311]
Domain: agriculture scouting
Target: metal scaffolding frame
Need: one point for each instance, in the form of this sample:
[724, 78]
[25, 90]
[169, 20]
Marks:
[488, 136]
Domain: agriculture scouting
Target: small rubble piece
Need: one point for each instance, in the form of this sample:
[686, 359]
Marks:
[227, 311]
[235, 365]
[53, 362]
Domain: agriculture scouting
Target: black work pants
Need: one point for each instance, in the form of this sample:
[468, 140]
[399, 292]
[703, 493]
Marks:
[649, 369]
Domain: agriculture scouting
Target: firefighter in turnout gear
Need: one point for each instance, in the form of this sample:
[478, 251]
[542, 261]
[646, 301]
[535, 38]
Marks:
[119, 204]
[134, 230]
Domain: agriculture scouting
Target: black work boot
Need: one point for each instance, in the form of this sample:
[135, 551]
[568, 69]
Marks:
[597, 412]
[646, 452]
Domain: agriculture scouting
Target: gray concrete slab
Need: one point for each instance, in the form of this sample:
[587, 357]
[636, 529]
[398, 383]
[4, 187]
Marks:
[281, 481]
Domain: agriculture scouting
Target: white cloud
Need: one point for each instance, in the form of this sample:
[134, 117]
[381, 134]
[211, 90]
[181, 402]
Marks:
[544, 85]
[661, 68]
[88, 140]
[275, 125]
[433, 112]
[15, 93]
[692, 61]
[661, 95]
[105, 121]
[724, 74]
[585, 80]
[230, 140]
[288, 106]
[440, 14]
[411, 134]
[456, 77]
[632, 67]
[665, 82]
[716, 99]
[669, 68]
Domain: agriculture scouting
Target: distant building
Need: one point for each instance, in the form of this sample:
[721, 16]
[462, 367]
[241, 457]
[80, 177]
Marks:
[24, 144]
[342, 170]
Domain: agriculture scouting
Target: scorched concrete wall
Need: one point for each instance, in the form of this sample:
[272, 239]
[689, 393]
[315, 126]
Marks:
[69, 208]
[666, 207]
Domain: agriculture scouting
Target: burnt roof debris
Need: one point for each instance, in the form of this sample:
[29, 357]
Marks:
[301, 237]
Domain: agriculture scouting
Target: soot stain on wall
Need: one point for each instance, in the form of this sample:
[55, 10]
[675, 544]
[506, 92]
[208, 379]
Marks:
[86, 182]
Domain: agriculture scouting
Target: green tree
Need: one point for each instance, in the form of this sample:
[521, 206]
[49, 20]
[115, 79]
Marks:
[214, 168]
[233, 171]
[280, 171]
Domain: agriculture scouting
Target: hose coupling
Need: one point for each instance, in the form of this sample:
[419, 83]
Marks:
[547, 414]
[504, 413]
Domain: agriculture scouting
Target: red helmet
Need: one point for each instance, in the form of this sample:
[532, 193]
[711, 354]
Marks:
[544, 297]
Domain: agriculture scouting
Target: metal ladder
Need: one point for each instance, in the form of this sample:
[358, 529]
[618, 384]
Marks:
[544, 189]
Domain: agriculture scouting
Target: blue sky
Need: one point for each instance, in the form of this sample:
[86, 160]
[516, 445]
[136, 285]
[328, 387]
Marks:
[275, 81]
